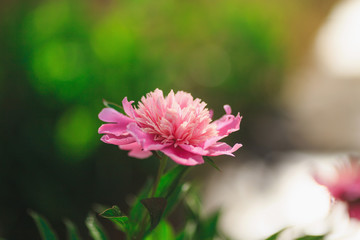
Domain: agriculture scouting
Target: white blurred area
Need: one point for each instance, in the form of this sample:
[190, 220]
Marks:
[322, 100]
[257, 200]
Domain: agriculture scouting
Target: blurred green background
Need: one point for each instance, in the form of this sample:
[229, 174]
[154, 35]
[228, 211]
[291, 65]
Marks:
[59, 59]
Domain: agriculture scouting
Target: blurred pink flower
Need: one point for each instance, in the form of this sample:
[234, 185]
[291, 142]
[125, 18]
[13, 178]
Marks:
[346, 186]
[177, 125]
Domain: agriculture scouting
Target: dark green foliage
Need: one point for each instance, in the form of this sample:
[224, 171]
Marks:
[197, 227]
[72, 231]
[95, 229]
[211, 162]
[155, 207]
[114, 214]
[163, 231]
[46, 232]
[44, 227]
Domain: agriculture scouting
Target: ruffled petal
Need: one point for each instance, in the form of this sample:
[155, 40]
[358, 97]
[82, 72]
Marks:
[113, 116]
[114, 129]
[118, 140]
[144, 139]
[209, 142]
[128, 108]
[136, 150]
[182, 156]
[194, 149]
[223, 148]
[228, 124]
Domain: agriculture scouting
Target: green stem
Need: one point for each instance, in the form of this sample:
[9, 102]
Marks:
[161, 168]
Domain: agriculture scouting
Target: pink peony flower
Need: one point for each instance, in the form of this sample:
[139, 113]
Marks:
[177, 125]
[345, 187]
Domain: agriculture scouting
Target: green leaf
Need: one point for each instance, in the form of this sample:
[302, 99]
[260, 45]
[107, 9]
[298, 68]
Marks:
[275, 235]
[138, 211]
[167, 185]
[163, 231]
[95, 229]
[174, 199]
[193, 203]
[72, 230]
[211, 162]
[113, 106]
[311, 237]
[170, 180]
[114, 214]
[189, 231]
[155, 207]
[44, 227]
[207, 228]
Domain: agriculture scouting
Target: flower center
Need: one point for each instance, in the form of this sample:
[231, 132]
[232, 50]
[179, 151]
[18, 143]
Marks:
[177, 119]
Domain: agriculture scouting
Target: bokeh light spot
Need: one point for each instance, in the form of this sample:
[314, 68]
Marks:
[60, 68]
[49, 19]
[112, 40]
[76, 134]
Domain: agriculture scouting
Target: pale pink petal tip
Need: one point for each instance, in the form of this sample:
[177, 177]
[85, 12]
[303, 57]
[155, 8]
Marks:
[128, 108]
[227, 109]
[211, 113]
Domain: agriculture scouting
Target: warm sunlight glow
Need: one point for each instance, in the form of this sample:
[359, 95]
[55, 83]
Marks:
[338, 44]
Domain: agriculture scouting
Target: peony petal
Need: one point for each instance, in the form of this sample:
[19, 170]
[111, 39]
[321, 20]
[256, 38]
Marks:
[136, 150]
[114, 129]
[193, 149]
[223, 148]
[128, 108]
[354, 210]
[182, 156]
[121, 140]
[144, 139]
[227, 109]
[211, 113]
[211, 141]
[228, 124]
[111, 115]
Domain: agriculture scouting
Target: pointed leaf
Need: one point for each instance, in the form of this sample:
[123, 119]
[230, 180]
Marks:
[211, 162]
[72, 230]
[155, 207]
[167, 184]
[312, 237]
[95, 229]
[276, 235]
[170, 180]
[175, 198]
[44, 227]
[113, 106]
[138, 211]
[114, 214]
[207, 228]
